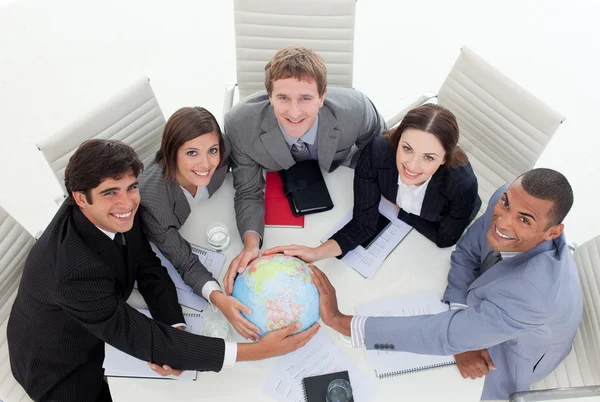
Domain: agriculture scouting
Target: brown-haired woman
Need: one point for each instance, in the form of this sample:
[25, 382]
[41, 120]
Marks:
[420, 167]
[188, 168]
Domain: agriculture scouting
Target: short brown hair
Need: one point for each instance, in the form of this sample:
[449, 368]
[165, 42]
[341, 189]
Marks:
[298, 62]
[436, 120]
[97, 160]
[184, 125]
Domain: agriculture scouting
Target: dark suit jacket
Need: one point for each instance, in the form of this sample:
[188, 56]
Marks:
[450, 204]
[164, 209]
[71, 301]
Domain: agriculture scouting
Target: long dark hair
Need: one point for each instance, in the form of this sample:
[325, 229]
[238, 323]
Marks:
[436, 120]
[184, 125]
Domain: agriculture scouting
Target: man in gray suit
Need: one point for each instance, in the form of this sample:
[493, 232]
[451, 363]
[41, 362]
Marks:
[296, 119]
[513, 291]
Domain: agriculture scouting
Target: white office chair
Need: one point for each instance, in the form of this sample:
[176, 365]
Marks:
[264, 26]
[132, 116]
[503, 128]
[15, 243]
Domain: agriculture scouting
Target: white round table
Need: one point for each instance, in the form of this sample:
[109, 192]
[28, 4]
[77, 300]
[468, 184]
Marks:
[415, 266]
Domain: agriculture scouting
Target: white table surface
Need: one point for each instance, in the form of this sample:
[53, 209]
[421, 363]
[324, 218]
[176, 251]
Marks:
[415, 266]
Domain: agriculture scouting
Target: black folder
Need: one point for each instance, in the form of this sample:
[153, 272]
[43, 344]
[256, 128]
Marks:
[305, 188]
[315, 388]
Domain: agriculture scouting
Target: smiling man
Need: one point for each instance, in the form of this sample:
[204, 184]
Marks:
[513, 291]
[296, 119]
[77, 278]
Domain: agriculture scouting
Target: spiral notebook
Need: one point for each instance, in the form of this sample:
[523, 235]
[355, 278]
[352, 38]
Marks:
[391, 363]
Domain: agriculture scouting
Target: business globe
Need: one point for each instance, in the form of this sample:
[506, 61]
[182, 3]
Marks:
[279, 291]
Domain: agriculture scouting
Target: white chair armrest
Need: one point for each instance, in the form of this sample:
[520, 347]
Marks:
[556, 394]
[417, 102]
[228, 101]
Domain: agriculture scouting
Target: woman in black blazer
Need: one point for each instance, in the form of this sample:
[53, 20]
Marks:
[418, 166]
[189, 167]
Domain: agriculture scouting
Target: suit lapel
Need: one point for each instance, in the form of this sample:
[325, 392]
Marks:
[433, 202]
[132, 239]
[181, 207]
[274, 143]
[102, 245]
[500, 269]
[328, 137]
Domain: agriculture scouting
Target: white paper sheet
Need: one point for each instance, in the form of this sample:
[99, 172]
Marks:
[386, 361]
[321, 355]
[120, 364]
[212, 260]
[367, 261]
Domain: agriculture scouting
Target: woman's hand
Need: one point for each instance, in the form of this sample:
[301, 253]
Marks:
[232, 309]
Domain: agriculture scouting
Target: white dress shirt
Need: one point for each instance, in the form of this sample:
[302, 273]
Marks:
[410, 198]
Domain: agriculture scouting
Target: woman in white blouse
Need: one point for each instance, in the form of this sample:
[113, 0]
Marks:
[188, 168]
[421, 168]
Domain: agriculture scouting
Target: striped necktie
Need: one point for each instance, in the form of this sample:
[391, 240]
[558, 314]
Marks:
[300, 151]
[120, 241]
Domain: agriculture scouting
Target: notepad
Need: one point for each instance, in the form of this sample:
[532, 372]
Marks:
[120, 364]
[391, 363]
[278, 212]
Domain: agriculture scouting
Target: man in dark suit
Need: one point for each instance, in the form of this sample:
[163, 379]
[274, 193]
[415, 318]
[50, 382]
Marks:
[296, 119]
[76, 280]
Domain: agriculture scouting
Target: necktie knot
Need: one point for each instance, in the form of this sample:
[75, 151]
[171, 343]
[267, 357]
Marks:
[300, 151]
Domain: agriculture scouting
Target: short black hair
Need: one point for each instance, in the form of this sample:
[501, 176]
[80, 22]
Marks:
[97, 160]
[550, 185]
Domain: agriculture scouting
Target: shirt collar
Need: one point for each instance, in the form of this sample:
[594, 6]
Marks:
[509, 254]
[111, 235]
[309, 137]
[416, 190]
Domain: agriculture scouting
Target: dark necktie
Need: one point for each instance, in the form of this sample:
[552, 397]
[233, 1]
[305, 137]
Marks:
[490, 260]
[120, 241]
[300, 151]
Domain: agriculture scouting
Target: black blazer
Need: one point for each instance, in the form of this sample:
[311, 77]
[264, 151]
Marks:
[450, 204]
[71, 301]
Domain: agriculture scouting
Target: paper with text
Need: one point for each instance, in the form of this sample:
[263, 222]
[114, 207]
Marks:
[366, 261]
[321, 355]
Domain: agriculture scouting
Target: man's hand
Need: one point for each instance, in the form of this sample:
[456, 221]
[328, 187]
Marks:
[474, 363]
[232, 309]
[238, 265]
[166, 370]
[328, 305]
[276, 343]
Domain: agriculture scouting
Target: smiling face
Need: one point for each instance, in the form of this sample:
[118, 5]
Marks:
[296, 104]
[520, 221]
[197, 160]
[113, 203]
[419, 156]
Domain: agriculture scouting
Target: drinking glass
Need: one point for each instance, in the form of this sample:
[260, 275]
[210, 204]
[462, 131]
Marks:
[218, 236]
[339, 390]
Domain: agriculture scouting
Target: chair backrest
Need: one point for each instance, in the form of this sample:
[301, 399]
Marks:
[587, 257]
[15, 243]
[264, 26]
[503, 128]
[132, 116]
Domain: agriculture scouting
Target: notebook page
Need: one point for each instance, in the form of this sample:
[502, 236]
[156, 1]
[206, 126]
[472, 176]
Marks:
[386, 361]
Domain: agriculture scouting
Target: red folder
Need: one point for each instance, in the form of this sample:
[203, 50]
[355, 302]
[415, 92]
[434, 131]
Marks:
[278, 212]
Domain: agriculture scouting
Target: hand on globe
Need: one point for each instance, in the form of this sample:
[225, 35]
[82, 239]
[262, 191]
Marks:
[232, 310]
[307, 254]
[250, 252]
[276, 343]
[328, 304]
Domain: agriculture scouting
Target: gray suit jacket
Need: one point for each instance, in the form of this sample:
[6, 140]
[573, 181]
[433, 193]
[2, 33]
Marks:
[347, 122]
[525, 310]
[164, 209]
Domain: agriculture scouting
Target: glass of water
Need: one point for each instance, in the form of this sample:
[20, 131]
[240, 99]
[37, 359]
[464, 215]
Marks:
[339, 390]
[218, 236]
